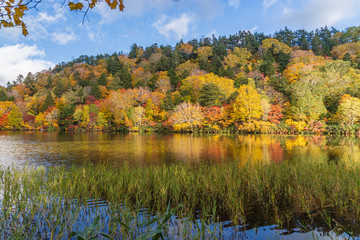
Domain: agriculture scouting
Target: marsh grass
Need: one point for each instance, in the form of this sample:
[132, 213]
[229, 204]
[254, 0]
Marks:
[301, 194]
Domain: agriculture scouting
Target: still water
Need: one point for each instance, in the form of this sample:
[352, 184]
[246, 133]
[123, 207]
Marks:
[21, 149]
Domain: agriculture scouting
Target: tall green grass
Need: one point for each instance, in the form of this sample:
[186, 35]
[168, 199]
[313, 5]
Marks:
[56, 201]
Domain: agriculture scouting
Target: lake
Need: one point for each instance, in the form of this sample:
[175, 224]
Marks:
[24, 149]
[21, 149]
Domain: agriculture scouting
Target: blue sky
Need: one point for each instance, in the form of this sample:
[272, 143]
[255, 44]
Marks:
[57, 35]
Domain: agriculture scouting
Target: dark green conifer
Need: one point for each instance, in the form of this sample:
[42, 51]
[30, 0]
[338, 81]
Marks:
[3, 96]
[49, 102]
[95, 90]
[211, 95]
[102, 80]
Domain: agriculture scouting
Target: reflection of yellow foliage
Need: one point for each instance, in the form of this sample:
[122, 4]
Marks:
[298, 141]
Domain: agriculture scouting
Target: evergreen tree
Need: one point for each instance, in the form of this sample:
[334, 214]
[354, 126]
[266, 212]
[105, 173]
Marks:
[66, 116]
[49, 102]
[133, 50]
[174, 79]
[102, 80]
[30, 83]
[81, 96]
[267, 68]
[211, 95]
[116, 83]
[152, 82]
[216, 64]
[59, 88]
[163, 64]
[3, 96]
[168, 103]
[283, 60]
[347, 57]
[113, 65]
[230, 73]
[125, 78]
[222, 72]
[95, 90]
[49, 82]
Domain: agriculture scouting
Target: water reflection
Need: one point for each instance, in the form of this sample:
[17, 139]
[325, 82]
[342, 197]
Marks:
[35, 148]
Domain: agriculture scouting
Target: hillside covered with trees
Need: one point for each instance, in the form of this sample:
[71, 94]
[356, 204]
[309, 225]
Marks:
[287, 82]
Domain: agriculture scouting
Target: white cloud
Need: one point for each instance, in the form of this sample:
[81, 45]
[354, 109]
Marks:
[268, 3]
[318, 13]
[176, 27]
[21, 59]
[94, 33]
[234, 3]
[41, 25]
[63, 38]
[253, 29]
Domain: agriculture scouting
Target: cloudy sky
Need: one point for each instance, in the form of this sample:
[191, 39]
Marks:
[58, 35]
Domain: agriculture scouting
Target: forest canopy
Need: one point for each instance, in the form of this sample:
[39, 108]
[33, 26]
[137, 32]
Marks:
[287, 82]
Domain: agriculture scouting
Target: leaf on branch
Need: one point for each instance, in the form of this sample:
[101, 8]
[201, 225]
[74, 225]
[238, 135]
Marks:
[75, 6]
[24, 29]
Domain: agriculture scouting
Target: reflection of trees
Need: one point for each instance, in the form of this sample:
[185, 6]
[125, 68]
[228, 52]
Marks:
[151, 148]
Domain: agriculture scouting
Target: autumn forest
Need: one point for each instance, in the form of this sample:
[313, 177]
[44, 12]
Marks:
[290, 82]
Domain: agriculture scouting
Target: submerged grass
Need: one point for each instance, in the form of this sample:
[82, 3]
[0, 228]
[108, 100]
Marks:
[54, 202]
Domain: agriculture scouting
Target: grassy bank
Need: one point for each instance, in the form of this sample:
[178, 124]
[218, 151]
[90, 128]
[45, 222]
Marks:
[299, 194]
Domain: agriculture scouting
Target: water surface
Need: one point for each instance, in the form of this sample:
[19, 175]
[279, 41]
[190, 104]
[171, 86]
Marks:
[36, 148]
[21, 149]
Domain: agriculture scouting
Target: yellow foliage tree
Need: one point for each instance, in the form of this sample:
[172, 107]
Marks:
[349, 110]
[277, 46]
[193, 84]
[352, 48]
[302, 63]
[247, 106]
[204, 53]
[186, 116]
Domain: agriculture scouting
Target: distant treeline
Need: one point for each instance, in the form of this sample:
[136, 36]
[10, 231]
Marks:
[288, 82]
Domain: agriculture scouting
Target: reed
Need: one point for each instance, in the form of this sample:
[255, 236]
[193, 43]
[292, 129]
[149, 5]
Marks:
[58, 201]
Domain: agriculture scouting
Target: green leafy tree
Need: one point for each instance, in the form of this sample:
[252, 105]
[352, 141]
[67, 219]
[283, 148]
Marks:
[307, 101]
[15, 119]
